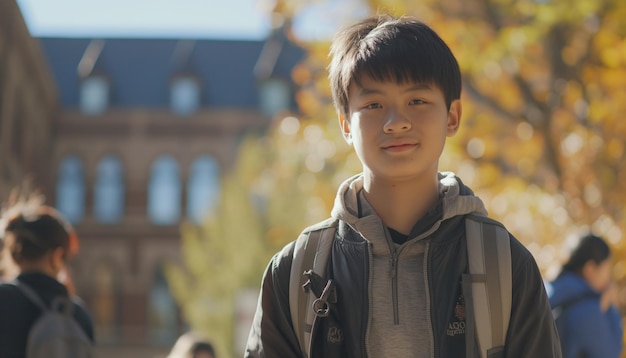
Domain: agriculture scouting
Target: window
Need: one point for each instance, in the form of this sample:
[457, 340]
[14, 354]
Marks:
[162, 313]
[185, 95]
[94, 95]
[70, 198]
[164, 192]
[274, 96]
[203, 188]
[109, 191]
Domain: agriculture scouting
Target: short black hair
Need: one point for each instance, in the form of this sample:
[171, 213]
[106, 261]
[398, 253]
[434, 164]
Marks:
[387, 48]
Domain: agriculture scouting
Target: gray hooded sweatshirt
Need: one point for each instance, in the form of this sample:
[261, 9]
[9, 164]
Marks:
[398, 324]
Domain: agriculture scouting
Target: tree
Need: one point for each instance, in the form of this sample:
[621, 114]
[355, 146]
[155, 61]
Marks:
[255, 217]
[544, 83]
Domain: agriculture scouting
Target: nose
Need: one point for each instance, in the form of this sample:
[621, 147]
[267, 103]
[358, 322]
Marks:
[397, 122]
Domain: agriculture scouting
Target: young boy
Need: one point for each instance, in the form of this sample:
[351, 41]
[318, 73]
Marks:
[399, 247]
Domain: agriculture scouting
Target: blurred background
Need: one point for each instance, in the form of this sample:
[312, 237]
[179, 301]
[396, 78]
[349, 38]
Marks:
[188, 141]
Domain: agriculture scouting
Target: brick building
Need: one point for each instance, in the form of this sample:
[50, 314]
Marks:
[128, 137]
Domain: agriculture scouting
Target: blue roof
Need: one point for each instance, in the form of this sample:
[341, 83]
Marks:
[140, 70]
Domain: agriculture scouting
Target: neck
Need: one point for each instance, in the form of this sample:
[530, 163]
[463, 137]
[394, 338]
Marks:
[401, 204]
[43, 265]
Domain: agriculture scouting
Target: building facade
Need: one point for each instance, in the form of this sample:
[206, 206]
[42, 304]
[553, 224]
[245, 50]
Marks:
[128, 138]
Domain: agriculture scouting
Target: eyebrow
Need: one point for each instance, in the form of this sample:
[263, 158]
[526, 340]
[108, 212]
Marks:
[416, 87]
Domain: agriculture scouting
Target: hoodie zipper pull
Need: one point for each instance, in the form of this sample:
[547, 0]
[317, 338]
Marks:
[320, 305]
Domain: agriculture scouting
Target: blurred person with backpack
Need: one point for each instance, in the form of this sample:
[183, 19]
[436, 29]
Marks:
[583, 301]
[39, 317]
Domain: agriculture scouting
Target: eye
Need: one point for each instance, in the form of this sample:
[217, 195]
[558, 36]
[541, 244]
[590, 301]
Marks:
[373, 106]
[417, 101]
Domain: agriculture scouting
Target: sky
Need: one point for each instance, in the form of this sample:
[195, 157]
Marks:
[228, 19]
[215, 19]
[224, 19]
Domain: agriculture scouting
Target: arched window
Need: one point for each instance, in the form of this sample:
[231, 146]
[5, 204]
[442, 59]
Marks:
[185, 95]
[164, 192]
[70, 191]
[162, 312]
[109, 191]
[203, 188]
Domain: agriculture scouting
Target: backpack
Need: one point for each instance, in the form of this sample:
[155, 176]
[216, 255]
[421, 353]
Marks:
[55, 333]
[489, 261]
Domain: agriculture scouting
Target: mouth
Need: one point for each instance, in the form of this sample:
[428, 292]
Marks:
[399, 146]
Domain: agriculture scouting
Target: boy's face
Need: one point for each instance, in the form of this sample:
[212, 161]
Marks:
[398, 130]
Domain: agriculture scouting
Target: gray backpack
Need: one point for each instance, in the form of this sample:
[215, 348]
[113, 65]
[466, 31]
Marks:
[55, 333]
[489, 260]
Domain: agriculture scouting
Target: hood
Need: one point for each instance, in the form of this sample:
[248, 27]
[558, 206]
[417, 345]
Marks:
[458, 199]
[566, 287]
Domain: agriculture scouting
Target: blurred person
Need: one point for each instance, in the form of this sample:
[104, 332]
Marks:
[37, 242]
[584, 300]
[192, 345]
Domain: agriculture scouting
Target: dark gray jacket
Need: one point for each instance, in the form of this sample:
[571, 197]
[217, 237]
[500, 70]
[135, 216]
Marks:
[345, 333]
[18, 313]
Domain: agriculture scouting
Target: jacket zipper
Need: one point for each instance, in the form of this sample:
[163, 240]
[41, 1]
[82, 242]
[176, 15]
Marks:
[395, 253]
[429, 318]
[369, 299]
[394, 287]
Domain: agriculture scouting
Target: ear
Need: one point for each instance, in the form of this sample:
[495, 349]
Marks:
[454, 117]
[58, 259]
[344, 124]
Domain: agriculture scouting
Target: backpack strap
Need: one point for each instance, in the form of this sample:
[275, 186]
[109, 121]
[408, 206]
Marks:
[60, 303]
[311, 251]
[30, 293]
[489, 260]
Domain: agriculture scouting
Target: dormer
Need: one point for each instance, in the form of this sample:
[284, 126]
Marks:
[185, 86]
[95, 85]
[274, 95]
[273, 82]
[94, 94]
[185, 94]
